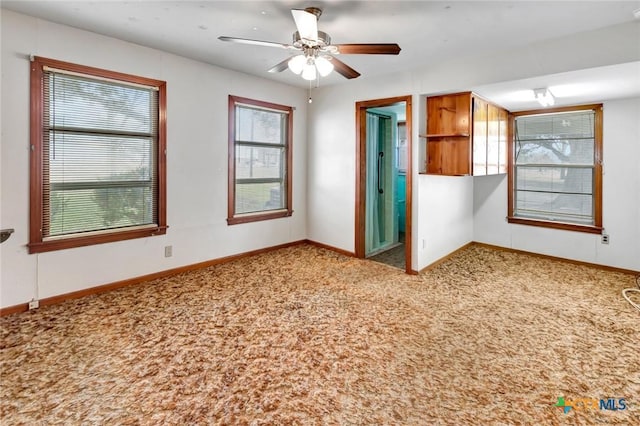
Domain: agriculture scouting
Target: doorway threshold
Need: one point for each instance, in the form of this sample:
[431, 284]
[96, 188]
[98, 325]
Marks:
[393, 256]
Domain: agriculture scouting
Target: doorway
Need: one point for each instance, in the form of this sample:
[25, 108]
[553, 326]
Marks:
[383, 181]
[381, 224]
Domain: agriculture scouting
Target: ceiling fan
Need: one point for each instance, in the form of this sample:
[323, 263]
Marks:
[317, 50]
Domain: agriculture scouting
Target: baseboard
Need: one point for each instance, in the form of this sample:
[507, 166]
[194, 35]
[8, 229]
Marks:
[445, 258]
[23, 307]
[530, 253]
[562, 259]
[328, 247]
[15, 309]
[346, 253]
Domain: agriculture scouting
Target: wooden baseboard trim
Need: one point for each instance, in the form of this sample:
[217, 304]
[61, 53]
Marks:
[561, 259]
[444, 258]
[347, 253]
[543, 256]
[328, 247]
[15, 309]
[23, 307]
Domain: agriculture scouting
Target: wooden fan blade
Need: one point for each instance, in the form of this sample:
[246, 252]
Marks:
[344, 69]
[281, 66]
[307, 24]
[368, 49]
[255, 42]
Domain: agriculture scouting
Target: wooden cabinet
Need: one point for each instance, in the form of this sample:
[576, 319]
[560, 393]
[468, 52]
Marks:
[503, 140]
[466, 135]
[497, 119]
[480, 133]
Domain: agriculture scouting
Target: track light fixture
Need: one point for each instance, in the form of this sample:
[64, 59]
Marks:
[544, 97]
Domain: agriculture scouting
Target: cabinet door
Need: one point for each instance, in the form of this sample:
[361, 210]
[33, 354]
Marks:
[448, 115]
[448, 156]
[493, 139]
[479, 137]
[503, 139]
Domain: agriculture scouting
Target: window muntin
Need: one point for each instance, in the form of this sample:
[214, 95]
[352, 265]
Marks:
[259, 169]
[98, 139]
[556, 170]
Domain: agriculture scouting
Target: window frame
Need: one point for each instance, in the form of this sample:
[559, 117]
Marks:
[596, 228]
[232, 217]
[37, 242]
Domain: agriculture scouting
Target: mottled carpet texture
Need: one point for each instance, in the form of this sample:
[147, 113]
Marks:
[306, 336]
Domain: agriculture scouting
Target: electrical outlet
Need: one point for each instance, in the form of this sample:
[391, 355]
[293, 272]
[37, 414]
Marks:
[605, 238]
[34, 304]
[424, 244]
[168, 251]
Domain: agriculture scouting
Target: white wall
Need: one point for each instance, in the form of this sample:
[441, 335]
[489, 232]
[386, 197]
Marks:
[324, 169]
[443, 207]
[621, 202]
[196, 164]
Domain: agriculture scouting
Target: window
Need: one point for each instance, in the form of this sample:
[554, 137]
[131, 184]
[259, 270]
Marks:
[259, 160]
[556, 168]
[97, 156]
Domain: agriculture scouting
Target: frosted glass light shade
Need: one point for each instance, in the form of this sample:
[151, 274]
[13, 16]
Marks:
[324, 66]
[297, 63]
[309, 71]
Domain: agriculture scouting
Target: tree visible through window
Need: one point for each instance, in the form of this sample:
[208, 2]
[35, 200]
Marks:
[556, 168]
[260, 160]
[98, 156]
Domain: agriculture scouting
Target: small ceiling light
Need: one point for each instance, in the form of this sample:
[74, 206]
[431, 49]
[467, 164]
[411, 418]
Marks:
[297, 63]
[309, 70]
[544, 97]
[324, 66]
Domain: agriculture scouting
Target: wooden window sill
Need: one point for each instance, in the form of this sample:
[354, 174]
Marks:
[591, 229]
[107, 237]
[258, 217]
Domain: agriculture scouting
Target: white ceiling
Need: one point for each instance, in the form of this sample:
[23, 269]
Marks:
[427, 31]
[569, 88]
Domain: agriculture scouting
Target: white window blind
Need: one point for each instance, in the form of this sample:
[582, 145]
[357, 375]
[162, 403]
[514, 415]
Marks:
[260, 159]
[99, 154]
[554, 167]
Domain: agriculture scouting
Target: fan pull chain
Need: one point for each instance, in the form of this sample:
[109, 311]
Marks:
[310, 100]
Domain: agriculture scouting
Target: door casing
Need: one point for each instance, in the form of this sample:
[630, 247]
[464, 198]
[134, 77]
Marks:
[361, 155]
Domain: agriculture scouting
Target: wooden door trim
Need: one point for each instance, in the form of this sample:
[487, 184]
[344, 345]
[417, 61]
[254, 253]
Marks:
[361, 155]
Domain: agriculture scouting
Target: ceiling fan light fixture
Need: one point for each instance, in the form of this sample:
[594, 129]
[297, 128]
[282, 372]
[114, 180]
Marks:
[316, 51]
[324, 66]
[297, 63]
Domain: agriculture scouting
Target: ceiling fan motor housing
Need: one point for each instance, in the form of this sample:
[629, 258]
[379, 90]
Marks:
[323, 40]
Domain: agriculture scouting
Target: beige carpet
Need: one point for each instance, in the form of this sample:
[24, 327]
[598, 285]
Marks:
[306, 336]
